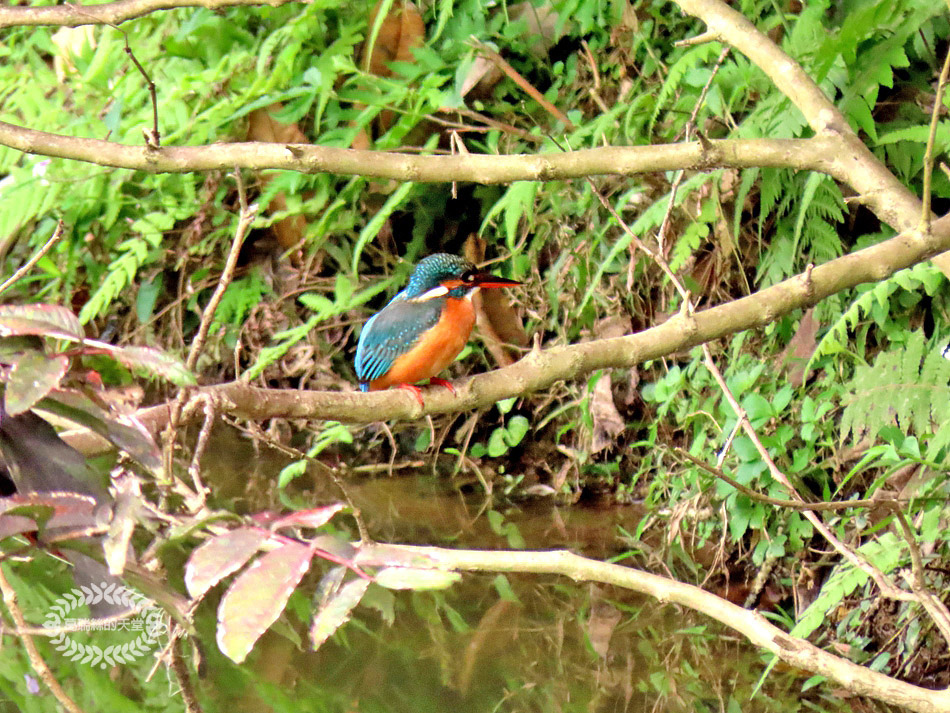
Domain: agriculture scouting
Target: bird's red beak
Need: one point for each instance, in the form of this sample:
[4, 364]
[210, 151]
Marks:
[482, 279]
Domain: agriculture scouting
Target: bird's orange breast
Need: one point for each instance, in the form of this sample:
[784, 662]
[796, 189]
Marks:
[435, 349]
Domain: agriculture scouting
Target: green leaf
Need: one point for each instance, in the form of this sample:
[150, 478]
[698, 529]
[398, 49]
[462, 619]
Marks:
[497, 446]
[147, 296]
[517, 428]
[291, 471]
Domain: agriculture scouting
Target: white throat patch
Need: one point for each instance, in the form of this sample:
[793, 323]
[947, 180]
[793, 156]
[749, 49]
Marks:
[432, 294]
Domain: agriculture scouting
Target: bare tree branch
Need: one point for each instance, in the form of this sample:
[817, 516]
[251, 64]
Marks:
[110, 13]
[541, 368]
[812, 154]
[876, 186]
[752, 625]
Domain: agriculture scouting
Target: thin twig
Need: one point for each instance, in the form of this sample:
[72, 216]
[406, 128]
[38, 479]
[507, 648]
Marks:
[39, 665]
[182, 673]
[153, 139]
[931, 140]
[933, 605]
[194, 470]
[263, 437]
[246, 218]
[28, 265]
[779, 502]
[724, 451]
[674, 188]
[513, 74]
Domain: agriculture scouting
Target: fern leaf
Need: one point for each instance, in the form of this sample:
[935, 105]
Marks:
[906, 386]
[923, 275]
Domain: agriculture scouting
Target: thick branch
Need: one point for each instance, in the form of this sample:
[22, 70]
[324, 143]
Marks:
[110, 13]
[539, 369]
[751, 624]
[813, 154]
[876, 186]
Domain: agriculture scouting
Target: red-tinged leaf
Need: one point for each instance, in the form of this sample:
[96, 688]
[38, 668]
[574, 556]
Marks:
[39, 513]
[221, 556]
[16, 525]
[59, 318]
[257, 598]
[155, 362]
[315, 517]
[412, 578]
[33, 377]
[334, 545]
[20, 326]
[265, 518]
[336, 611]
[67, 513]
[76, 407]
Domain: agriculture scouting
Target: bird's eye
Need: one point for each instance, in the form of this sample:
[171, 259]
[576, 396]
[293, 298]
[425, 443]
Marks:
[468, 277]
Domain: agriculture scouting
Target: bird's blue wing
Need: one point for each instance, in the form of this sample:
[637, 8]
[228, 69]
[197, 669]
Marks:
[392, 332]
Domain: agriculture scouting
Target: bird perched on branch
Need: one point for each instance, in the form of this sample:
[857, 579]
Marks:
[424, 327]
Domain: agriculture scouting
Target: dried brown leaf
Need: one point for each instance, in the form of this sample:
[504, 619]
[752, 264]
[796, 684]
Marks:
[608, 423]
[402, 30]
[498, 322]
[600, 627]
[262, 126]
[800, 348]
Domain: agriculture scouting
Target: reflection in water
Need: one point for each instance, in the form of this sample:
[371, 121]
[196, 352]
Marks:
[491, 643]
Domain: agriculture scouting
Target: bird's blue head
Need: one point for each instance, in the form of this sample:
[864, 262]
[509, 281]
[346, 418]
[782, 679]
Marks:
[448, 275]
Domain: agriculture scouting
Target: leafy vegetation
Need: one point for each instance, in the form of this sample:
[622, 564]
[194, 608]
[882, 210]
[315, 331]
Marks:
[848, 398]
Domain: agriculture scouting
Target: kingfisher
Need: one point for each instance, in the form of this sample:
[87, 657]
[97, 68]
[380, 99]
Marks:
[424, 327]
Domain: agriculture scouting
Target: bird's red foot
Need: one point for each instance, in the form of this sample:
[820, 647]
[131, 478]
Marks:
[416, 391]
[442, 382]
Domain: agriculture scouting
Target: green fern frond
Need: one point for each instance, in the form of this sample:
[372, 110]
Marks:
[699, 55]
[908, 385]
[687, 244]
[122, 270]
[923, 275]
[240, 297]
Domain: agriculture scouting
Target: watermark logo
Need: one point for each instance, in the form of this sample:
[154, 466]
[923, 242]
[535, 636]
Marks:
[149, 622]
